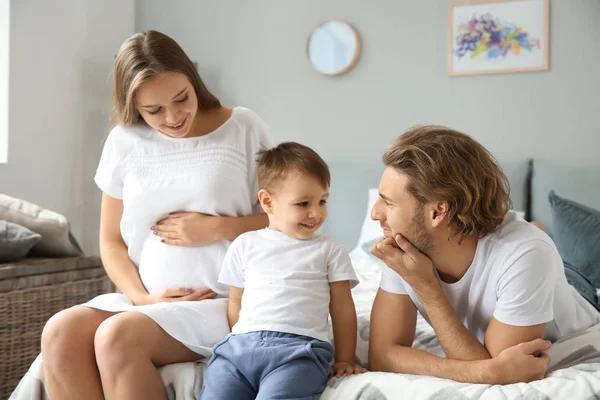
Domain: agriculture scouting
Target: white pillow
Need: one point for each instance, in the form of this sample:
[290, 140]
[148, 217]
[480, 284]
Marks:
[370, 229]
[520, 214]
[55, 230]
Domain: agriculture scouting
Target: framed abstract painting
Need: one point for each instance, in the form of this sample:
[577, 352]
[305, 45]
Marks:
[498, 36]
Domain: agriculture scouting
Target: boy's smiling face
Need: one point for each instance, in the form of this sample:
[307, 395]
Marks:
[297, 206]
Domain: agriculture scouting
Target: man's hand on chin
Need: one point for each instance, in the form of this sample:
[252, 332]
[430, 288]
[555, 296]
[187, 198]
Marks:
[404, 258]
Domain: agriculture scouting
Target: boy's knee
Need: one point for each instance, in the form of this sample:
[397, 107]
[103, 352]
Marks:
[223, 380]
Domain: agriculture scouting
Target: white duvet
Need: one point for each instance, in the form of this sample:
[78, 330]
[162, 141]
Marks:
[574, 371]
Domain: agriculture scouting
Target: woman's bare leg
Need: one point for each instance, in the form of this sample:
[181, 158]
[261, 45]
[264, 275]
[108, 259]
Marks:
[68, 358]
[129, 348]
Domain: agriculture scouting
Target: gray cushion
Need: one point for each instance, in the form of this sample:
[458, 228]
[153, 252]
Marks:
[576, 232]
[580, 184]
[54, 227]
[15, 241]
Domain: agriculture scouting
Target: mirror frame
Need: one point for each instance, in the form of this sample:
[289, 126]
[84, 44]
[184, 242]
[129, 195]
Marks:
[354, 59]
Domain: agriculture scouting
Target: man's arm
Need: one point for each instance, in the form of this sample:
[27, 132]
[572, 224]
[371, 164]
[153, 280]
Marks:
[456, 340]
[393, 324]
[500, 336]
[393, 327]
[458, 343]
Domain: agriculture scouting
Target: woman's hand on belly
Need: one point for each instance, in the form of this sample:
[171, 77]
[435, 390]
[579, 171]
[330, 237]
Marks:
[177, 294]
[188, 229]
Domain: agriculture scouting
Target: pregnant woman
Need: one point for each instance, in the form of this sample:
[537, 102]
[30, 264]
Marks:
[179, 184]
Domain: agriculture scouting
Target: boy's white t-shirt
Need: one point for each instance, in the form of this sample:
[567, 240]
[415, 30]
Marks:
[285, 281]
[516, 277]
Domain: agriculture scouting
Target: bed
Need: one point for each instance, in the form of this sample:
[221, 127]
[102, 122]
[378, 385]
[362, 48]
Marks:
[574, 371]
[575, 368]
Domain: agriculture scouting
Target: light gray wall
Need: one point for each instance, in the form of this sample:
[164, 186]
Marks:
[61, 55]
[4, 62]
[252, 53]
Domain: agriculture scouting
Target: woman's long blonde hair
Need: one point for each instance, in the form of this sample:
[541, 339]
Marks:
[144, 56]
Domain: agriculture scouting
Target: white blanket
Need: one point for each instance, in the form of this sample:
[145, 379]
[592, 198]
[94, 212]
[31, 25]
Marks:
[574, 371]
[182, 381]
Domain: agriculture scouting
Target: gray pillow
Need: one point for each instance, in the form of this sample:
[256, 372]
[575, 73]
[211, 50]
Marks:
[576, 232]
[15, 241]
[579, 184]
[54, 227]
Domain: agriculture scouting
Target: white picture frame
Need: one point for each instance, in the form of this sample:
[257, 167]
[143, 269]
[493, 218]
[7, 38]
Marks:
[498, 36]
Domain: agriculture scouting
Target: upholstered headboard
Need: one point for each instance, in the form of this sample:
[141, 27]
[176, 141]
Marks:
[580, 184]
[350, 182]
[347, 206]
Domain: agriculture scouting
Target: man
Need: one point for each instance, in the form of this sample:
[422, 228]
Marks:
[491, 285]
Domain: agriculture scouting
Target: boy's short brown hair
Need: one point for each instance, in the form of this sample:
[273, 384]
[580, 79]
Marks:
[277, 163]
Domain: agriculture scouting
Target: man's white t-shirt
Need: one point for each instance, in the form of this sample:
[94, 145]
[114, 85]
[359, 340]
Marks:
[517, 277]
[285, 281]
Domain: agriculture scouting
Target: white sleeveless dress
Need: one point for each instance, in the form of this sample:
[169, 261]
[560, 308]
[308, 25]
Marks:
[154, 175]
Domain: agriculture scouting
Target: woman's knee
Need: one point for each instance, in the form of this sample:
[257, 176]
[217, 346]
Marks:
[67, 334]
[117, 339]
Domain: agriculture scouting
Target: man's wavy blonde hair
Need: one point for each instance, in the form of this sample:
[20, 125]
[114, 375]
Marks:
[446, 165]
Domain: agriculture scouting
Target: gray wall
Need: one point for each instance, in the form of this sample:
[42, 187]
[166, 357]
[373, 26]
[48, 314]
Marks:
[4, 62]
[252, 53]
[61, 55]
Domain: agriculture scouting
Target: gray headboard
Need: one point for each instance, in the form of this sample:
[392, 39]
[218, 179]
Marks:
[580, 184]
[350, 182]
[347, 206]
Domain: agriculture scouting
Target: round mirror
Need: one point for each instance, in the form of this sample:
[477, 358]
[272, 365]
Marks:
[333, 47]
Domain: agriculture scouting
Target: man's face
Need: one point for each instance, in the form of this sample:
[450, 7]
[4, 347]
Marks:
[399, 212]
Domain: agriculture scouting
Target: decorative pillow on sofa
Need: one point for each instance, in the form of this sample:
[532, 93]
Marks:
[576, 232]
[15, 241]
[54, 228]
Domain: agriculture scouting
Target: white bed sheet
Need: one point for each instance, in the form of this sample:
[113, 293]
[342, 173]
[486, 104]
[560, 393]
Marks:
[574, 371]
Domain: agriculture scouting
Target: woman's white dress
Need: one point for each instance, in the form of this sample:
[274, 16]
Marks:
[154, 175]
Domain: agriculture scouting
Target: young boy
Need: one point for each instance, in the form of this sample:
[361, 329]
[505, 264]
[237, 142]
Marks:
[285, 280]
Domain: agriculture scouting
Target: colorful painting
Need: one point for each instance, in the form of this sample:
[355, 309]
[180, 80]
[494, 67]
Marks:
[498, 36]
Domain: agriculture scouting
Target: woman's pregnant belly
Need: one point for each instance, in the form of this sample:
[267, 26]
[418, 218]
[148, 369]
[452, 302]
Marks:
[163, 266]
